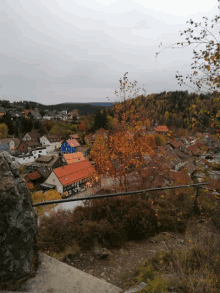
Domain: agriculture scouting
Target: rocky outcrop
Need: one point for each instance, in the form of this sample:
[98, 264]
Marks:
[18, 226]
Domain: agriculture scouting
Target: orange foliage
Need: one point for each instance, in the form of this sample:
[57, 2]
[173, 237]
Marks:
[47, 196]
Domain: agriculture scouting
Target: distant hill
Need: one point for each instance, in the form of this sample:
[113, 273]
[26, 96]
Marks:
[83, 108]
[104, 104]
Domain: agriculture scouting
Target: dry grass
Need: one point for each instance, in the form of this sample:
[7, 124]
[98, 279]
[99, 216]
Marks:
[193, 269]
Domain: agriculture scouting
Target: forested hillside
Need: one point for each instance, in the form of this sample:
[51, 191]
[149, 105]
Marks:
[177, 109]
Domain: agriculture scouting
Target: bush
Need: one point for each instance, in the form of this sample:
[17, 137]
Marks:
[108, 221]
[159, 139]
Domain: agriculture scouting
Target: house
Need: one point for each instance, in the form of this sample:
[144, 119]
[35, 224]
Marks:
[27, 146]
[33, 135]
[51, 162]
[74, 158]
[34, 177]
[161, 129]
[4, 147]
[71, 178]
[195, 150]
[69, 146]
[35, 115]
[16, 116]
[44, 172]
[25, 112]
[75, 136]
[24, 159]
[12, 143]
[176, 144]
[53, 141]
[89, 139]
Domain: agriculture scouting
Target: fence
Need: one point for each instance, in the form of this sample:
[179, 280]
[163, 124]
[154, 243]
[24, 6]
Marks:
[195, 206]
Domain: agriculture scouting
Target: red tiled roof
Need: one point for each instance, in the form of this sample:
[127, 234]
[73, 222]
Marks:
[73, 143]
[74, 172]
[74, 158]
[162, 128]
[34, 175]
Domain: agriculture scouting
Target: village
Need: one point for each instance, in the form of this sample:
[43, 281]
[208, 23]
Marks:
[52, 162]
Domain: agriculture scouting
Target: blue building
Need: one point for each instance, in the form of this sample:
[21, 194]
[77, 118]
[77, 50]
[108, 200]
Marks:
[69, 146]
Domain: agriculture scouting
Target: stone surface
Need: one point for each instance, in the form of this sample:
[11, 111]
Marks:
[54, 276]
[18, 226]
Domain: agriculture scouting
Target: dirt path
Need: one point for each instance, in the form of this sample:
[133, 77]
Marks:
[120, 266]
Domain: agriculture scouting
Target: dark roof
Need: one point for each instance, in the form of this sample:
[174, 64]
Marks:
[45, 159]
[35, 114]
[7, 141]
[44, 172]
[30, 143]
[46, 162]
[53, 137]
[176, 144]
[34, 135]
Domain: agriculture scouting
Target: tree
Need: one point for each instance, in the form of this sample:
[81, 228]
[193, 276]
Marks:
[27, 106]
[100, 155]
[82, 126]
[8, 121]
[206, 74]
[47, 196]
[3, 130]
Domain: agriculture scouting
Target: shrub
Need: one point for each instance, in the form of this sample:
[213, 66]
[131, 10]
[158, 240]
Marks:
[108, 221]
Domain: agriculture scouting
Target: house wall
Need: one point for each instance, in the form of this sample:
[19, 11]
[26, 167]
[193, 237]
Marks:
[51, 145]
[52, 179]
[24, 160]
[26, 137]
[42, 152]
[67, 149]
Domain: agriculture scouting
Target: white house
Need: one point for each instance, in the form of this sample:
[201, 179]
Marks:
[70, 178]
[51, 140]
[42, 151]
[24, 159]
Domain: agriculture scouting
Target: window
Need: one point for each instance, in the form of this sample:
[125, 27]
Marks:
[40, 151]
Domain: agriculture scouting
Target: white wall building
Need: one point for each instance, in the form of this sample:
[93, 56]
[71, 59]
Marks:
[31, 157]
[51, 141]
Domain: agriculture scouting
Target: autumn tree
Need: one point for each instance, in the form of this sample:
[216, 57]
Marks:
[82, 126]
[100, 155]
[47, 196]
[3, 130]
[206, 65]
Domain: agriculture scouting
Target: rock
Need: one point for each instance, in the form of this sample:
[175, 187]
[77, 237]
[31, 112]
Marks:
[18, 226]
[137, 288]
[101, 252]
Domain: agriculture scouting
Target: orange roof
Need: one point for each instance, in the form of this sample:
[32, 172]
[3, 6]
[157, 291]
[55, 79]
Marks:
[34, 175]
[74, 158]
[74, 172]
[162, 128]
[73, 143]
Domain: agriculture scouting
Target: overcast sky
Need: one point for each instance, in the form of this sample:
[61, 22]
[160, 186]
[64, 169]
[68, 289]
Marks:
[55, 51]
